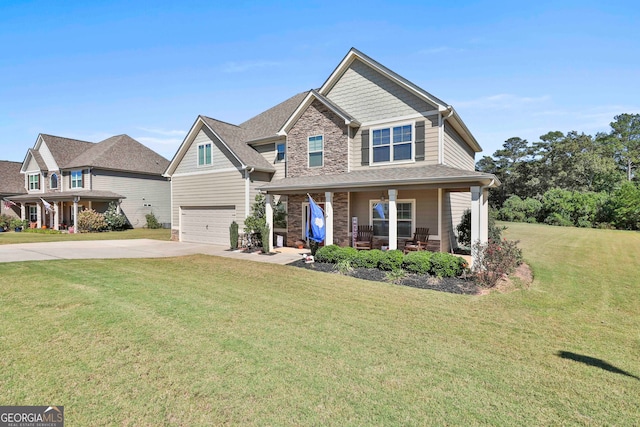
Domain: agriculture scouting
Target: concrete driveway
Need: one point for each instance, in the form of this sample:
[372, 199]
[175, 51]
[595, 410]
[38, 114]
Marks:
[135, 248]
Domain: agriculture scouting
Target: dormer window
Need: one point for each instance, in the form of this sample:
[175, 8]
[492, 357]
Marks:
[53, 181]
[34, 181]
[76, 179]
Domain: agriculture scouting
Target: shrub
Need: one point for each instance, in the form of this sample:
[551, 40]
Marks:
[464, 228]
[418, 262]
[391, 260]
[518, 210]
[368, 259]
[152, 221]
[114, 220]
[495, 260]
[624, 207]
[344, 267]
[334, 254]
[4, 221]
[91, 221]
[447, 265]
[266, 234]
[233, 235]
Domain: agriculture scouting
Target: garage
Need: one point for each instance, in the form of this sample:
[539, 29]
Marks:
[208, 224]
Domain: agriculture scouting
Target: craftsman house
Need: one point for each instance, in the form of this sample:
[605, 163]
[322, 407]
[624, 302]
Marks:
[61, 176]
[366, 137]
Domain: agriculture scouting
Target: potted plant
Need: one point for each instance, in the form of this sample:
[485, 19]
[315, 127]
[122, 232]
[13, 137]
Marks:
[16, 224]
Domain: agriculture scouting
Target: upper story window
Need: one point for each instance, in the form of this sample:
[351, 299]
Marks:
[76, 179]
[204, 154]
[280, 152]
[392, 144]
[53, 181]
[316, 149]
[34, 181]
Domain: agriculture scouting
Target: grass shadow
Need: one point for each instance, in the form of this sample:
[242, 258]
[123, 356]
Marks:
[592, 361]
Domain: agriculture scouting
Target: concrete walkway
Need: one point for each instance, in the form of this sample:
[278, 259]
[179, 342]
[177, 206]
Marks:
[135, 248]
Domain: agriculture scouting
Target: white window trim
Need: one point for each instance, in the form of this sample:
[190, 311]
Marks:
[39, 181]
[390, 127]
[205, 164]
[309, 152]
[372, 203]
[71, 180]
[284, 152]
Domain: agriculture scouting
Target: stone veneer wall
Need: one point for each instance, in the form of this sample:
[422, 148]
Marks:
[175, 235]
[317, 120]
[341, 220]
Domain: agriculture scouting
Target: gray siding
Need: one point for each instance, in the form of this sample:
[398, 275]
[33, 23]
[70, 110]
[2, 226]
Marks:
[268, 151]
[139, 190]
[219, 155]
[32, 166]
[368, 95]
[456, 152]
[213, 189]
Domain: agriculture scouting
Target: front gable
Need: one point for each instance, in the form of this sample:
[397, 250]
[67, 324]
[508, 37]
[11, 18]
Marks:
[369, 95]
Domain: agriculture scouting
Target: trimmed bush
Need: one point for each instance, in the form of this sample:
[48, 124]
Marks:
[391, 260]
[368, 259]
[91, 221]
[334, 254]
[233, 235]
[418, 262]
[447, 265]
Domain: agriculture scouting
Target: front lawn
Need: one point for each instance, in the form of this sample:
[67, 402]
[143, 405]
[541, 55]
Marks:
[208, 341]
[10, 237]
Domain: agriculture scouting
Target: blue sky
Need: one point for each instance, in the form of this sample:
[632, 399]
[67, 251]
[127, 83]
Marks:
[90, 70]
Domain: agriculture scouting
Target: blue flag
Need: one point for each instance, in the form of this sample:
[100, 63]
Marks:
[380, 209]
[316, 230]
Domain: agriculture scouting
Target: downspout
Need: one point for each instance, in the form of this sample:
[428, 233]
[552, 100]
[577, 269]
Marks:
[443, 118]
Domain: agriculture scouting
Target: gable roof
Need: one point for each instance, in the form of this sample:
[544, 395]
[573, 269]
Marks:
[11, 180]
[123, 153]
[268, 123]
[311, 96]
[447, 110]
[64, 150]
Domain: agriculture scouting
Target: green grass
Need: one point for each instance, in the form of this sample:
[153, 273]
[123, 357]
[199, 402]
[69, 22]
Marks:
[208, 341]
[10, 237]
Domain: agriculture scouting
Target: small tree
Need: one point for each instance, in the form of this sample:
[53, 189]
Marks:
[233, 235]
[255, 223]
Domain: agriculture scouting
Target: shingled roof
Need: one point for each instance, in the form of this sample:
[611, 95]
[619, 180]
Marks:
[11, 180]
[64, 149]
[122, 153]
[268, 123]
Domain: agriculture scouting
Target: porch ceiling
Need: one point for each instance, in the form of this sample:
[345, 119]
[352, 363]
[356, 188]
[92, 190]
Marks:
[428, 176]
[67, 196]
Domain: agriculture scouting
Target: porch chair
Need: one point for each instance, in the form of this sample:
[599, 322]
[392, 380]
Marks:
[364, 239]
[419, 241]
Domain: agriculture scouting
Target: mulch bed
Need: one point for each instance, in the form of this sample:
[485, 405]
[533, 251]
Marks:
[454, 285]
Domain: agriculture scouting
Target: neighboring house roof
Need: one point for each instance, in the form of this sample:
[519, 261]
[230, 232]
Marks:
[11, 180]
[235, 137]
[65, 149]
[268, 123]
[123, 153]
[384, 177]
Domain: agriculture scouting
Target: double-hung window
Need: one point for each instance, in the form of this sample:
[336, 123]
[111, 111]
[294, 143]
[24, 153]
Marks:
[34, 181]
[204, 154]
[33, 213]
[76, 179]
[405, 216]
[316, 149]
[280, 152]
[392, 144]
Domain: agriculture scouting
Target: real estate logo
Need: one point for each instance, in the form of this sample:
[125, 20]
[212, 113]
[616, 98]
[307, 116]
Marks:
[31, 416]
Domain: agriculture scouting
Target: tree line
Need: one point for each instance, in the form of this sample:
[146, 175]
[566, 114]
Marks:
[570, 179]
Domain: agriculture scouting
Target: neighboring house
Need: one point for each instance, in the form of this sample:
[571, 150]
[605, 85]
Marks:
[11, 184]
[70, 175]
[367, 136]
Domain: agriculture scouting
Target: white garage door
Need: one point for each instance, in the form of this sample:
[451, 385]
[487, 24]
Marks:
[208, 224]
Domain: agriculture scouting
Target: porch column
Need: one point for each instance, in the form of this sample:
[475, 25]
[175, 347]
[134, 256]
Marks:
[51, 217]
[39, 215]
[268, 213]
[75, 214]
[23, 214]
[118, 208]
[477, 208]
[393, 219]
[328, 214]
[484, 216]
[56, 215]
